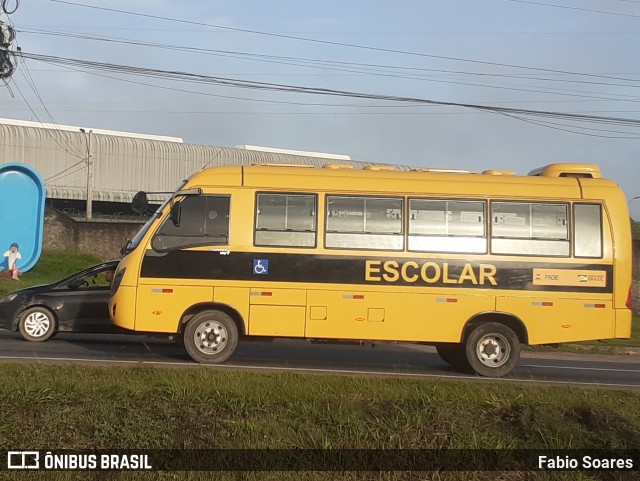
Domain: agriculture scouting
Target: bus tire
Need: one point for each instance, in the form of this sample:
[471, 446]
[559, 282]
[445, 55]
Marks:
[37, 324]
[455, 355]
[210, 337]
[492, 349]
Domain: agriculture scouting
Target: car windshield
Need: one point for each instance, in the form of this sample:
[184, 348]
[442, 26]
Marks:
[92, 280]
[89, 275]
[141, 233]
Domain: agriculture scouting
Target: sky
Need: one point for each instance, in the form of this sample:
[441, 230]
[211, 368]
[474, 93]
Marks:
[560, 56]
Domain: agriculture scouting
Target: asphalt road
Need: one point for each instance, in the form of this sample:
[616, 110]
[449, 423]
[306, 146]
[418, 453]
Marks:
[394, 360]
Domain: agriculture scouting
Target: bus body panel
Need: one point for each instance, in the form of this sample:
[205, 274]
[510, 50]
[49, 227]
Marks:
[623, 323]
[160, 305]
[278, 321]
[237, 298]
[419, 183]
[277, 312]
[618, 227]
[368, 294]
[120, 310]
[399, 316]
[550, 319]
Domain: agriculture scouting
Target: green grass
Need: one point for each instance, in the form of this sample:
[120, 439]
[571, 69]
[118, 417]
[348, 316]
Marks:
[88, 407]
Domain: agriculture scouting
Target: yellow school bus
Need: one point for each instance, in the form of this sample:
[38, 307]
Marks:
[473, 263]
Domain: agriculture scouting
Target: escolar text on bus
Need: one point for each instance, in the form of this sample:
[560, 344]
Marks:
[429, 272]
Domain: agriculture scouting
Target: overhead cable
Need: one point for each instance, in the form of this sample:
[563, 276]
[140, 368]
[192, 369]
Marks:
[328, 42]
[285, 88]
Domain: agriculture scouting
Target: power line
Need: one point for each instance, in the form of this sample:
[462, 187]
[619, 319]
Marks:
[284, 88]
[29, 79]
[333, 32]
[290, 112]
[577, 129]
[528, 89]
[196, 92]
[59, 175]
[363, 68]
[327, 42]
[566, 7]
[48, 131]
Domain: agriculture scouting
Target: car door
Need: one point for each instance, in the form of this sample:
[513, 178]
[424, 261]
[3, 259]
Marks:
[85, 303]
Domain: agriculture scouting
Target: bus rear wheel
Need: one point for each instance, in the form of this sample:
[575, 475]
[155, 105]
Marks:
[492, 349]
[210, 337]
[454, 355]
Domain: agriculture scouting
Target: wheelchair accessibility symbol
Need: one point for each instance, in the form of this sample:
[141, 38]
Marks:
[261, 266]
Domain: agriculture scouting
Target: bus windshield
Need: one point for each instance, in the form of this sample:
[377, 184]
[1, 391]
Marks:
[133, 243]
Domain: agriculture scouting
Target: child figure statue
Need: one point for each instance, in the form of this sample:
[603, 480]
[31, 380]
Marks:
[13, 255]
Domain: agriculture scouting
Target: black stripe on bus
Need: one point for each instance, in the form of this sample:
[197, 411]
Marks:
[325, 269]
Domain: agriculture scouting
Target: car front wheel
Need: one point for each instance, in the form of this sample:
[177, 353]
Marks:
[37, 324]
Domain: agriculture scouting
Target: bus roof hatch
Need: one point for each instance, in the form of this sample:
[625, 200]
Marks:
[385, 168]
[442, 170]
[499, 172]
[591, 171]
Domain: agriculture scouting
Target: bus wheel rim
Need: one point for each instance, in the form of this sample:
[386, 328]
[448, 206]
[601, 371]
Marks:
[210, 337]
[37, 324]
[493, 350]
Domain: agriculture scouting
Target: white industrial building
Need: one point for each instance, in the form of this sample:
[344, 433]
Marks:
[122, 163]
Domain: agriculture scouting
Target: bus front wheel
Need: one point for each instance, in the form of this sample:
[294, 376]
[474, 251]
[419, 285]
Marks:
[492, 349]
[210, 337]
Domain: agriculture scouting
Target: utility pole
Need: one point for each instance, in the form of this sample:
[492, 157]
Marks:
[87, 137]
[7, 36]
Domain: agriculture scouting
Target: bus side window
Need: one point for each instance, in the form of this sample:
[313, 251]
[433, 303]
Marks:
[284, 219]
[355, 222]
[587, 230]
[443, 225]
[204, 220]
[530, 228]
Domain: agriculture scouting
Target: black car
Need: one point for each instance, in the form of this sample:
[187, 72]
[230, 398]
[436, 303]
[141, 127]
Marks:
[79, 303]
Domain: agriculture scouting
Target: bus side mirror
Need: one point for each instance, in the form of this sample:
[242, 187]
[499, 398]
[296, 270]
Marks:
[140, 204]
[175, 214]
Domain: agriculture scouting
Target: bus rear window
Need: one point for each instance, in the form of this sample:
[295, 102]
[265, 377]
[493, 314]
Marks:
[587, 230]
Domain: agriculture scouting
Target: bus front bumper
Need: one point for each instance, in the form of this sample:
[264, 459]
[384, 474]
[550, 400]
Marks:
[122, 307]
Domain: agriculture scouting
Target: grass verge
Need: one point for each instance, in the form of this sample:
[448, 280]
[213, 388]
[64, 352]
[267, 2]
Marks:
[90, 407]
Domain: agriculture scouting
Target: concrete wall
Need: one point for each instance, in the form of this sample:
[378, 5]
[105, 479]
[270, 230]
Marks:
[103, 239]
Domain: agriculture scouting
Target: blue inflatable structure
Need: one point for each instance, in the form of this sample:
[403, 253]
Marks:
[22, 196]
